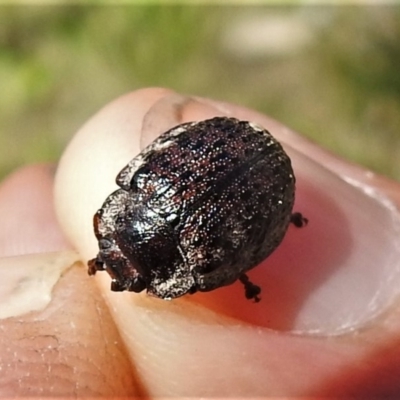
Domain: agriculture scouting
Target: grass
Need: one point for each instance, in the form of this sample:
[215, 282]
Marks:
[339, 87]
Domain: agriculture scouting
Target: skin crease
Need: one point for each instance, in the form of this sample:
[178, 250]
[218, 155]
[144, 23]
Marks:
[189, 347]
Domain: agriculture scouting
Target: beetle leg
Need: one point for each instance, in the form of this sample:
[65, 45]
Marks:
[192, 290]
[96, 264]
[298, 220]
[137, 285]
[117, 286]
[251, 290]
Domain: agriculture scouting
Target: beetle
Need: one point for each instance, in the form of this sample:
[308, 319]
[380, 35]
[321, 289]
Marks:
[196, 209]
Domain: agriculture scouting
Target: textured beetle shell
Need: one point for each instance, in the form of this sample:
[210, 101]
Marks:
[200, 206]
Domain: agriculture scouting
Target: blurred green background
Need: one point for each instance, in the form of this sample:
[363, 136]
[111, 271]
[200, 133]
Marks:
[331, 73]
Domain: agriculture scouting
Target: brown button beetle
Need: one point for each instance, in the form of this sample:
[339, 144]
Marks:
[196, 209]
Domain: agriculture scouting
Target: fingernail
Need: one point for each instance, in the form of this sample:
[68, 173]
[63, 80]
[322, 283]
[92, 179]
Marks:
[171, 110]
[161, 116]
[350, 257]
[338, 273]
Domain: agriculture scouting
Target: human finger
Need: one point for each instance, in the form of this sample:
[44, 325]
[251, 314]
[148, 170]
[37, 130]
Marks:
[57, 336]
[28, 221]
[301, 280]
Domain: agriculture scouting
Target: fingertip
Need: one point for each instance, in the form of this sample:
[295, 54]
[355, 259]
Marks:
[310, 267]
[308, 284]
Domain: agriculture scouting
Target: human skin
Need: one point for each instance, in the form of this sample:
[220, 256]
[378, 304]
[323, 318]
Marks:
[89, 341]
